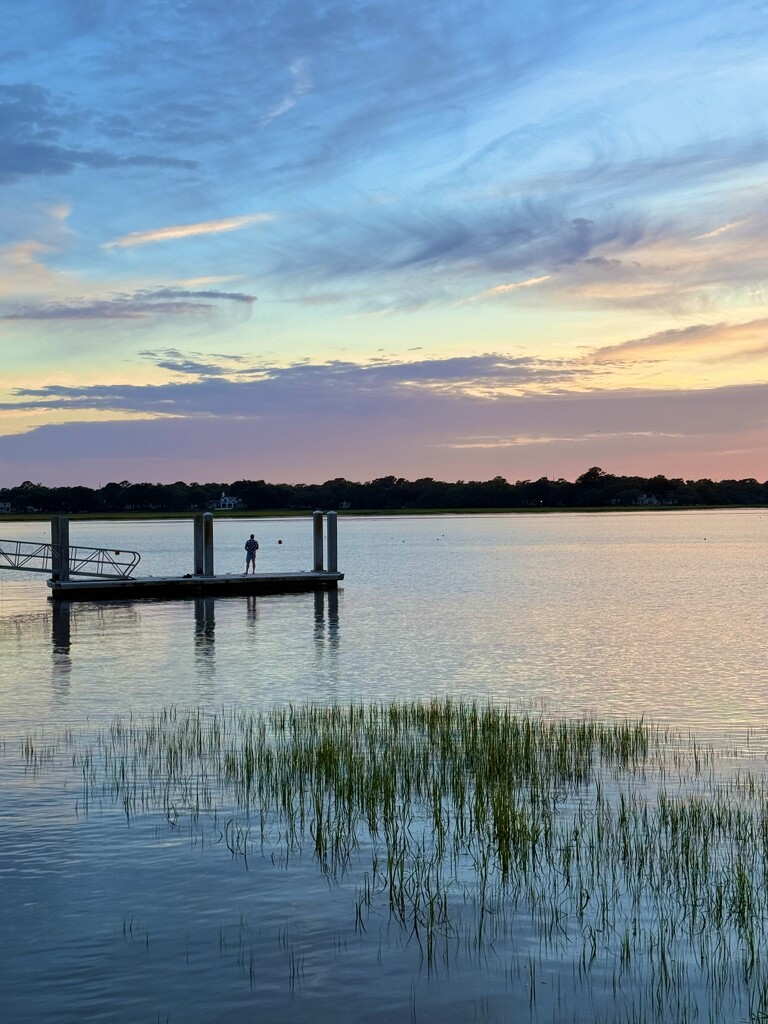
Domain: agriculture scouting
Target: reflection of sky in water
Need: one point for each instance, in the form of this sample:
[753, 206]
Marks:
[642, 613]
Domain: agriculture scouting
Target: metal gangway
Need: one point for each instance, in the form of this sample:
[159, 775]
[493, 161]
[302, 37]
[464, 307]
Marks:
[30, 556]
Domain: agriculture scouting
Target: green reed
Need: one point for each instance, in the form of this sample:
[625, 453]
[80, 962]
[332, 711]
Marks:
[613, 847]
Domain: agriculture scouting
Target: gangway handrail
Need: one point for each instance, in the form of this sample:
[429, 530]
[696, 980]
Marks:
[31, 556]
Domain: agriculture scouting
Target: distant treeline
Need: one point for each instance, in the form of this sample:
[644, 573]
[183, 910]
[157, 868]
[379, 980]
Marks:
[592, 489]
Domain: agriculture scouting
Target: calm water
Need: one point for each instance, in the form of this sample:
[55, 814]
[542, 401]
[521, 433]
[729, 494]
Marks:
[663, 615]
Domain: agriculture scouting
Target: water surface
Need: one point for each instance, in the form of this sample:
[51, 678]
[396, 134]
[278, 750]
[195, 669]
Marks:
[662, 615]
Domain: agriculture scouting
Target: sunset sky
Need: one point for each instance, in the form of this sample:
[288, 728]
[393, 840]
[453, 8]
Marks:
[296, 241]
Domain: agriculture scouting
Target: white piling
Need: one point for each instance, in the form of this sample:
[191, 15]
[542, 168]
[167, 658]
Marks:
[208, 544]
[333, 555]
[59, 548]
[198, 549]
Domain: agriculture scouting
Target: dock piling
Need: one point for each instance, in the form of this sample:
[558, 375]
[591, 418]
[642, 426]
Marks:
[59, 547]
[198, 548]
[333, 556]
[208, 544]
[317, 540]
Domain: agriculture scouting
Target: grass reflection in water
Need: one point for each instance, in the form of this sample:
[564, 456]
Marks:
[618, 851]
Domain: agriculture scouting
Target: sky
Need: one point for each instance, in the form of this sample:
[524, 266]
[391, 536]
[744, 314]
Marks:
[339, 238]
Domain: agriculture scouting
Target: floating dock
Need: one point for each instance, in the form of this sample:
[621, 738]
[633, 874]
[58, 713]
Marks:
[108, 575]
[193, 586]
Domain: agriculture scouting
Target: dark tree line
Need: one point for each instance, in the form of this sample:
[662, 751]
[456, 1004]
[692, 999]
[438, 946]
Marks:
[593, 489]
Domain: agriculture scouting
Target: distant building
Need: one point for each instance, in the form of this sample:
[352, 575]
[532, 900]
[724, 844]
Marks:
[5, 506]
[226, 503]
[647, 499]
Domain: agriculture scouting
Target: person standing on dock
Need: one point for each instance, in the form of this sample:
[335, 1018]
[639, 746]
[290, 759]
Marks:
[251, 547]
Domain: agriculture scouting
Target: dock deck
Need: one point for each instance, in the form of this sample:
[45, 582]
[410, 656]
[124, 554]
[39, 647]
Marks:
[109, 573]
[193, 585]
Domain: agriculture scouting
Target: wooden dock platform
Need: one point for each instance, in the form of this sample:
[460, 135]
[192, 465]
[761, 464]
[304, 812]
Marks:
[193, 586]
[109, 574]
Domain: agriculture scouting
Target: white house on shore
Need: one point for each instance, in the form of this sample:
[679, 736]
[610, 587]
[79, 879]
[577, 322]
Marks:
[226, 503]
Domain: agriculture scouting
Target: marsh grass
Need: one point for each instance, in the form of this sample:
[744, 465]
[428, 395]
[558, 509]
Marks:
[617, 852]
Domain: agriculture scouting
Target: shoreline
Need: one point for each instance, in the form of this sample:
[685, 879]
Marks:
[32, 517]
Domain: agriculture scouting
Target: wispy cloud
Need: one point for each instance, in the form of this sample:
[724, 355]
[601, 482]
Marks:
[302, 84]
[139, 305]
[505, 289]
[723, 229]
[705, 337]
[35, 125]
[195, 364]
[550, 439]
[174, 232]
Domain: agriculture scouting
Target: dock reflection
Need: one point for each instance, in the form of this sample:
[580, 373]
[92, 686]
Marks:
[78, 625]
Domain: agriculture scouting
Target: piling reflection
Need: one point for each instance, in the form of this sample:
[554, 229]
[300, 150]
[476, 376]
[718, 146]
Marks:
[100, 619]
[61, 640]
[327, 618]
[205, 628]
[61, 626]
